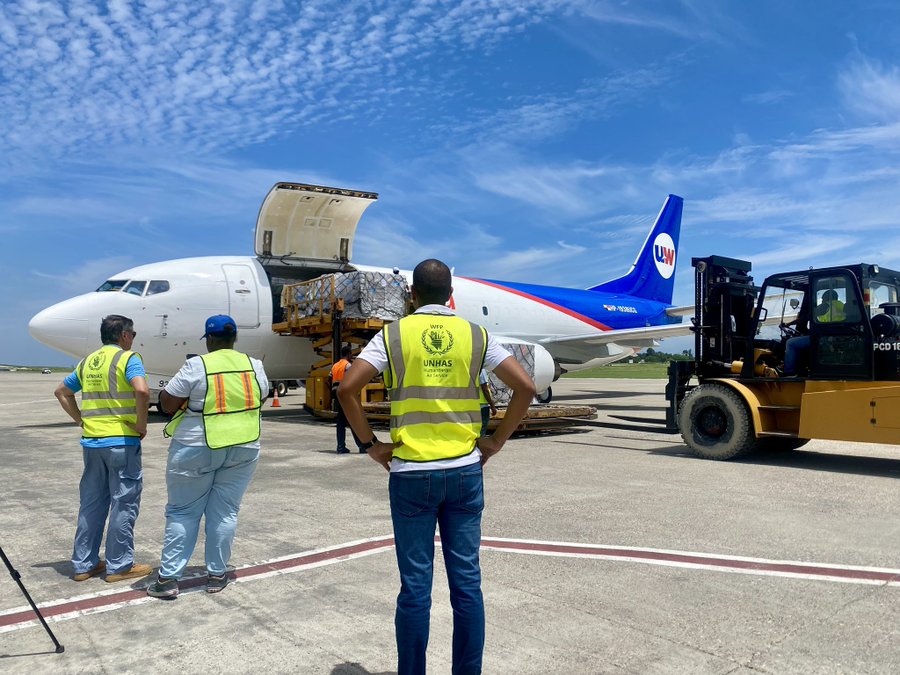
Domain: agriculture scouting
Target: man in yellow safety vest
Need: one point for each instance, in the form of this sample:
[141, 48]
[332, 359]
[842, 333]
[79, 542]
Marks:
[113, 420]
[216, 400]
[431, 362]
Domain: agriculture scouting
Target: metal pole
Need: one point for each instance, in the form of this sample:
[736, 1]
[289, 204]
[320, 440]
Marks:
[18, 579]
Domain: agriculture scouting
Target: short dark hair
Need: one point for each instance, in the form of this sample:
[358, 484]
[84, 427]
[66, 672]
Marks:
[224, 340]
[112, 327]
[432, 281]
[346, 351]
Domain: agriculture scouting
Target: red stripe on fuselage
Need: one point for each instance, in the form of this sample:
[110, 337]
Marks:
[552, 305]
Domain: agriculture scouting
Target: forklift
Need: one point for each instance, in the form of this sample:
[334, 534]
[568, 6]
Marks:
[842, 349]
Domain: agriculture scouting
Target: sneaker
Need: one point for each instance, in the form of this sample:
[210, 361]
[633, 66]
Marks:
[84, 576]
[163, 588]
[215, 584]
[342, 451]
[136, 571]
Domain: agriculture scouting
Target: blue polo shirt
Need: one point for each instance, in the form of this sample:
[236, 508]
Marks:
[134, 368]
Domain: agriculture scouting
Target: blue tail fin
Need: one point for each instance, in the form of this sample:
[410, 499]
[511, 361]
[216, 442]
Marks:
[653, 274]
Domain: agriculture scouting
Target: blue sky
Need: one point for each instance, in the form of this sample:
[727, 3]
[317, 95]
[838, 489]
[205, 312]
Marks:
[519, 140]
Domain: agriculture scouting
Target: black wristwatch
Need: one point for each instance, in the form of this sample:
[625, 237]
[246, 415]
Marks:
[366, 446]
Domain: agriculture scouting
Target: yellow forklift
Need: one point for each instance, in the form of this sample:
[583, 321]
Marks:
[842, 349]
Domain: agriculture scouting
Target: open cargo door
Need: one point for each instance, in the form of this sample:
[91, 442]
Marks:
[309, 226]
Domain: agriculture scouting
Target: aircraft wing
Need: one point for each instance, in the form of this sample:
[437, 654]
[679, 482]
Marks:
[684, 310]
[608, 344]
[611, 344]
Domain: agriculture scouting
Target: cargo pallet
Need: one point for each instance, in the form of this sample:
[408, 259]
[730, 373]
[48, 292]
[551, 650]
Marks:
[538, 417]
[328, 328]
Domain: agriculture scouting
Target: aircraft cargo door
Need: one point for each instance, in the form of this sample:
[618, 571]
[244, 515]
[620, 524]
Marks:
[243, 299]
[309, 226]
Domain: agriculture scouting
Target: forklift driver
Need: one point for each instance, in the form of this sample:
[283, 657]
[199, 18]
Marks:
[797, 347]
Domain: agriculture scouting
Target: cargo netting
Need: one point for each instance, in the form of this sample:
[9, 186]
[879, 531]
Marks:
[366, 295]
[524, 354]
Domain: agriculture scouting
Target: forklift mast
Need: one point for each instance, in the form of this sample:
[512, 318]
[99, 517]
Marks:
[724, 298]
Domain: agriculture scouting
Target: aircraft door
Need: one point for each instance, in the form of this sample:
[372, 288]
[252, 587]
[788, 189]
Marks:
[243, 298]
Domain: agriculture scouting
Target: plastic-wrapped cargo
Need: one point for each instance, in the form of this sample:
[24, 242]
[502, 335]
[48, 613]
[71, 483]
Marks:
[524, 354]
[366, 295]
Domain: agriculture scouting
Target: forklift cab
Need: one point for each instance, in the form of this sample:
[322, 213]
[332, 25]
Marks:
[837, 309]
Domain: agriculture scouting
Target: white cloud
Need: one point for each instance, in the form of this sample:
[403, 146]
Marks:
[871, 89]
[87, 74]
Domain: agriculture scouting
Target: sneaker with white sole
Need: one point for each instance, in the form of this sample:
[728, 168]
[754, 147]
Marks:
[214, 583]
[163, 588]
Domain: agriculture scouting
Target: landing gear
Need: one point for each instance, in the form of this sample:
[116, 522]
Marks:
[544, 396]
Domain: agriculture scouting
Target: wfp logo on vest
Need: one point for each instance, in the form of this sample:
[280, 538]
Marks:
[437, 340]
[96, 362]
[664, 255]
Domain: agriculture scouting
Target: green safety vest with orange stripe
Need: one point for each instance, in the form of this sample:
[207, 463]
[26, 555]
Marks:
[434, 362]
[231, 409]
[108, 403]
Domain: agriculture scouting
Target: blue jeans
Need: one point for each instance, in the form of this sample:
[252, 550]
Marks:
[485, 419]
[110, 486]
[453, 499]
[794, 349]
[203, 482]
[342, 426]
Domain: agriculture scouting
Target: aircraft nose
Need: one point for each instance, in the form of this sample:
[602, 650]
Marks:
[58, 328]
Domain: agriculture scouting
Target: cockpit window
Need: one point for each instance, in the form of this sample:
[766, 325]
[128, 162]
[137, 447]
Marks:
[135, 287]
[112, 285]
[157, 286]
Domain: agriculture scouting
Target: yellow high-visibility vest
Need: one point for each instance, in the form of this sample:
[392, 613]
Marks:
[834, 312]
[107, 397]
[231, 410]
[434, 362]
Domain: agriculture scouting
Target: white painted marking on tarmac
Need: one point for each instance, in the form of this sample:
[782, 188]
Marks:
[94, 603]
[732, 564]
[40, 400]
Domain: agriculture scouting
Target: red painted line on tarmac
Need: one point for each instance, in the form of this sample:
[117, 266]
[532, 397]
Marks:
[106, 600]
[685, 559]
[81, 605]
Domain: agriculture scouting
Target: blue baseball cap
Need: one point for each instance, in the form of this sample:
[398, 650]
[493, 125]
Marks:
[220, 324]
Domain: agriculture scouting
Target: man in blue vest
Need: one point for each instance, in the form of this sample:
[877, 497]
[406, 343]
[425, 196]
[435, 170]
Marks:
[216, 400]
[431, 362]
[113, 419]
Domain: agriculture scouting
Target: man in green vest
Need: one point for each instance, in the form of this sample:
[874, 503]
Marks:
[830, 309]
[215, 399]
[431, 362]
[113, 420]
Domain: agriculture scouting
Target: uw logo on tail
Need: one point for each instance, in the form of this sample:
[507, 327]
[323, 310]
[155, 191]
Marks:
[664, 254]
[652, 275]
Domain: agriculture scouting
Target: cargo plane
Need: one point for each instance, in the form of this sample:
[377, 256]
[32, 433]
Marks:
[304, 231]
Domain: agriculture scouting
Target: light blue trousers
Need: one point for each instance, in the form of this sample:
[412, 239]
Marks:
[110, 486]
[203, 482]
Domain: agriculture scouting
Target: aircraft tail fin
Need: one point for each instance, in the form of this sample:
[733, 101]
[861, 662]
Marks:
[652, 276]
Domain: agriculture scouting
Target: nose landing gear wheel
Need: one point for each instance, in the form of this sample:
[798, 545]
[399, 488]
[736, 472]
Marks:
[544, 396]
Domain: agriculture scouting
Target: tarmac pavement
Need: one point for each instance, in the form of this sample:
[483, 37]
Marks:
[608, 549]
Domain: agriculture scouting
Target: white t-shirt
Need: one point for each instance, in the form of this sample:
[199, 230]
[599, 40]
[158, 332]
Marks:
[375, 354]
[190, 383]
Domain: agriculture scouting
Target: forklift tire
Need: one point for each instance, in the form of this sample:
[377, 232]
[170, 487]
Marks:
[715, 423]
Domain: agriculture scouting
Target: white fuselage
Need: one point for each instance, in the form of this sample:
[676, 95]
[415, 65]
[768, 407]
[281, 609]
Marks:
[169, 323]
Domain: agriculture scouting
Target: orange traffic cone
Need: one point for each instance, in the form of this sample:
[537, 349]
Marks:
[275, 402]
